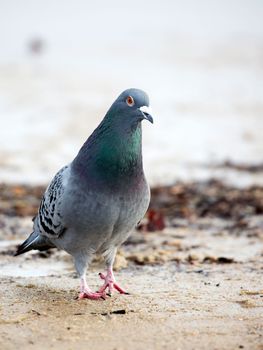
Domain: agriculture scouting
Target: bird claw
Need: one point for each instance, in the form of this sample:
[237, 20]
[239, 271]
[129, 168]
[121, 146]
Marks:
[92, 296]
[110, 284]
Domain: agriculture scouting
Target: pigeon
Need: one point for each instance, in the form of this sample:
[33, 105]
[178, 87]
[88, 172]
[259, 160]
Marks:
[94, 203]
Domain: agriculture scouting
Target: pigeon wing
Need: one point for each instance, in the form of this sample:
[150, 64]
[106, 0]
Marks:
[50, 221]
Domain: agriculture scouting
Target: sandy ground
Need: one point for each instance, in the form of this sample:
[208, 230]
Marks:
[197, 286]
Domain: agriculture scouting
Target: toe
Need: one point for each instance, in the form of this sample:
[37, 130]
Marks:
[103, 288]
[119, 289]
[102, 276]
[92, 296]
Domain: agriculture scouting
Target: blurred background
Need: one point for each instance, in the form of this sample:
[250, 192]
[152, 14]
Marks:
[62, 63]
[195, 263]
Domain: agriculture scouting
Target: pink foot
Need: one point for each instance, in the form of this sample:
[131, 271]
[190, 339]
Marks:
[87, 294]
[110, 283]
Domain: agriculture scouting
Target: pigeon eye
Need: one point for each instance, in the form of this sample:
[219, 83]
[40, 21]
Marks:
[130, 101]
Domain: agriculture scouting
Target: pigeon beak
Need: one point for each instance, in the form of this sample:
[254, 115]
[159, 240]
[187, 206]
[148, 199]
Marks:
[146, 112]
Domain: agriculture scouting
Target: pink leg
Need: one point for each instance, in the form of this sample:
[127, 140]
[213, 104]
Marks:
[85, 291]
[110, 283]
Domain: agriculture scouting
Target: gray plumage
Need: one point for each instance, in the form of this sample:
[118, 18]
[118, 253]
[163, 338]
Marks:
[93, 204]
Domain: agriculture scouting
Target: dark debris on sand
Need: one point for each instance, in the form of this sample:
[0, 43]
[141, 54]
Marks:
[207, 199]
[20, 200]
[182, 200]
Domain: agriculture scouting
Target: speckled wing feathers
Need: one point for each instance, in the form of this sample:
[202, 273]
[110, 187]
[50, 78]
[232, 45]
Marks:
[50, 220]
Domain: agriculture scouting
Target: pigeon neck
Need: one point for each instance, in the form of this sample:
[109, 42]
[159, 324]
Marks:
[120, 152]
[111, 154]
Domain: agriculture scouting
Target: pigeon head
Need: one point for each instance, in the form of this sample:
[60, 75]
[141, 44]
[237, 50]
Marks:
[130, 108]
[113, 152]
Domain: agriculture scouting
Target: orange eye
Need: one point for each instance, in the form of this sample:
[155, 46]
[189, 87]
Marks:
[130, 101]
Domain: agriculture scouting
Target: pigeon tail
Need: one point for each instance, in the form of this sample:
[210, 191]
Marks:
[34, 241]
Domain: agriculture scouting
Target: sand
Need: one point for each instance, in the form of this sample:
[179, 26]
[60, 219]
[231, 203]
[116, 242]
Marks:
[193, 287]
